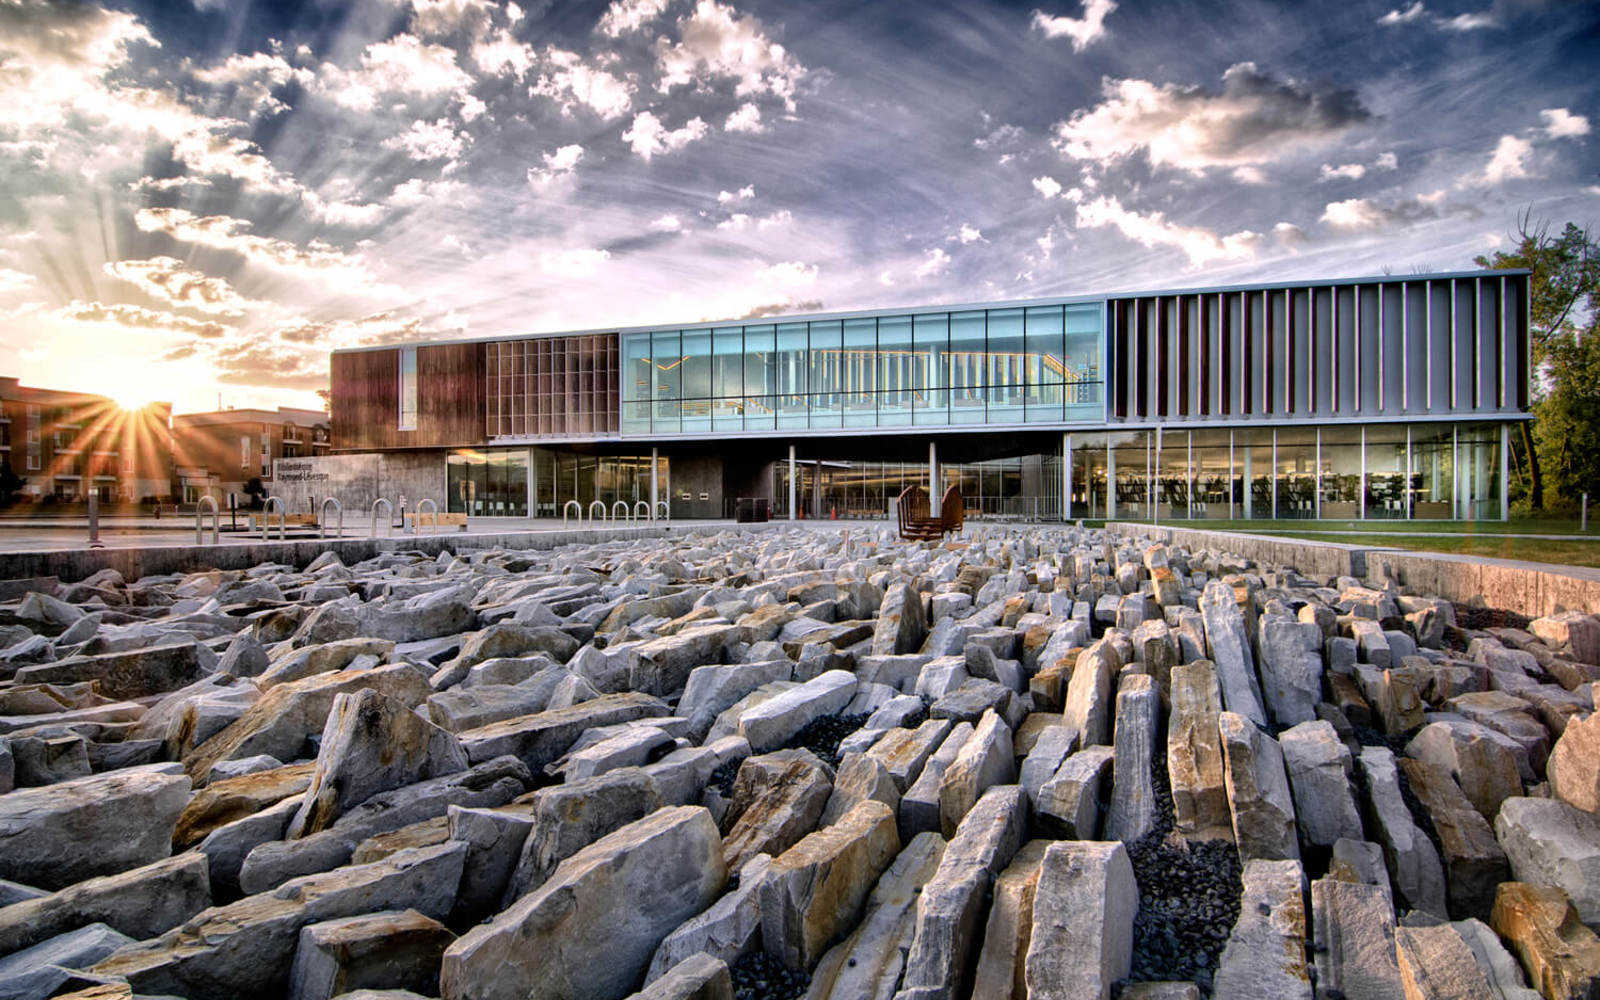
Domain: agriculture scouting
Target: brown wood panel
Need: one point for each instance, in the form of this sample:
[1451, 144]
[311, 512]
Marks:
[450, 398]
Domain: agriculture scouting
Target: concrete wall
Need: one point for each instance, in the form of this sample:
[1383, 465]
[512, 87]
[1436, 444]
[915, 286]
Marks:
[358, 480]
[1532, 589]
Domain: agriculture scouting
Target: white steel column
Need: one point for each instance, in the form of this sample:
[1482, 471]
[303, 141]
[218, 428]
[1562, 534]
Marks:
[1111, 478]
[1152, 470]
[1406, 496]
[791, 482]
[1248, 483]
[1316, 500]
[935, 496]
[655, 480]
[1066, 477]
[1505, 456]
[1361, 488]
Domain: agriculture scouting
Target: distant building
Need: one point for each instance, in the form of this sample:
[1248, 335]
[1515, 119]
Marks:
[67, 445]
[218, 453]
[1388, 397]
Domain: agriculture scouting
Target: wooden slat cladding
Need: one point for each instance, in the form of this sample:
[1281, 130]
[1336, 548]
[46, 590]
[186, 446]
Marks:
[1413, 345]
[450, 398]
[552, 387]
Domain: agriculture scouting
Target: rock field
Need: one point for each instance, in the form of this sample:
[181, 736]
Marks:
[780, 763]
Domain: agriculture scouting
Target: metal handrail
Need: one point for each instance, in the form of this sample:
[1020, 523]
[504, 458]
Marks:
[570, 504]
[388, 521]
[199, 518]
[663, 511]
[322, 517]
[418, 515]
[602, 505]
[626, 514]
[641, 515]
[266, 520]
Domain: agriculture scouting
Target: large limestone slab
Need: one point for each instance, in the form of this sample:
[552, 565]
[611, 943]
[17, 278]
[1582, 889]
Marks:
[774, 722]
[1258, 791]
[777, 800]
[321, 658]
[590, 931]
[1133, 808]
[814, 891]
[1083, 912]
[54, 836]
[1089, 708]
[280, 721]
[1195, 765]
[1228, 646]
[394, 949]
[950, 908]
[1474, 862]
[1319, 768]
[902, 621]
[569, 817]
[132, 674]
[919, 806]
[904, 752]
[1291, 668]
[713, 689]
[42, 970]
[371, 743]
[1069, 803]
[229, 799]
[1002, 958]
[1479, 762]
[489, 784]
[868, 963]
[1266, 953]
[698, 977]
[1574, 764]
[985, 760]
[1560, 954]
[541, 739]
[494, 839]
[729, 930]
[140, 903]
[1436, 963]
[244, 950]
[1548, 842]
[1354, 930]
[1413, 863]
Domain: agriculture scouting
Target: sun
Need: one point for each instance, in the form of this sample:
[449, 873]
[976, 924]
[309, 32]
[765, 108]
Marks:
[132, 400]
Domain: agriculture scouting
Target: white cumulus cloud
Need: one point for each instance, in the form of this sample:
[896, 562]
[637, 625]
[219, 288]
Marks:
[647, 136]
[1559, 123]
[1152, 229]
[1082, 30]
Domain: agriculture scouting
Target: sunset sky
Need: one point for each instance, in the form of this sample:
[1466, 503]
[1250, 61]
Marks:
[203, 199]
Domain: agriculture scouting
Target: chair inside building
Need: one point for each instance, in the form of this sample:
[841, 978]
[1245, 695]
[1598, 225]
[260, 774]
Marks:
[917, 522]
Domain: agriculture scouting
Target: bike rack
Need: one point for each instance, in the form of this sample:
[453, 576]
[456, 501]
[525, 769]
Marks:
[641, 515]
[266, 520]
[388, 521]
[322, 517]
[625, 516]
[199, 517]
[602, 505]
[571, 505]
[418, 515]
[663, 510]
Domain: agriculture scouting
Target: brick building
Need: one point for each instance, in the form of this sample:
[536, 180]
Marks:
[69, 444]
[218, 453]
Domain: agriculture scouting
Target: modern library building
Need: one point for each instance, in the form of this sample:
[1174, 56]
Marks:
[1386, 397]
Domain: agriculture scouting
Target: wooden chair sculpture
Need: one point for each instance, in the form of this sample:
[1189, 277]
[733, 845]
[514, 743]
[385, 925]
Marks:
[917, 524]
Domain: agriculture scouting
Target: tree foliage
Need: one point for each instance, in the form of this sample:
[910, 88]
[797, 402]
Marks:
[1558, 458]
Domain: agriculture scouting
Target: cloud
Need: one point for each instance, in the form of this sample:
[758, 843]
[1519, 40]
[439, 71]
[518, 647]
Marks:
[1200, 245]
[1411, 13]
[343, 213]
[221, 232]
[424, 141]
[936, 261]
[743, 194]
[789, 274]
[174, 283]
[627, 16]
[446, 17]
[970, 234]
[227, 156]
[1249, 175]
[1254, 119]
[1370, 214]
[254, 77]
[572, 263]
[1386, 161]
[139, 318]
[1469, 22]
[1344, 172]
[1509, 161]
[418, 191]
[648, 136]
[15, 281]
[404, 65]
[571, 82]
[740, 221]
[667, 224]
[1048, 187]
[265, 363]
[56, 55]
[1083, 30]
[557, 165]
[501, 53]
[746, 119]
[718, 43]
[1559, 123]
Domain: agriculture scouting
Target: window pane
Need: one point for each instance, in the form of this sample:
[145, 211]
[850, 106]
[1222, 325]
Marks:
[408, 388]
[789, 375]
[932, 345]
[827, 366]
[966, 368]
[1005, 366]
[636, 379]
[666, 363]
[897, 370]
[1044, 364]
[1082, 361]
[860, 375]
[727, 379]
[759, 376]
[696, 380]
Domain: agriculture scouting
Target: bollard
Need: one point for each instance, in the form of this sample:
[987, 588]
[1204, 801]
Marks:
[94, 521]
[1584, 524]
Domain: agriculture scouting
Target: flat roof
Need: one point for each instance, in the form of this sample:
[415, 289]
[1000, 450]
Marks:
[1385, 279]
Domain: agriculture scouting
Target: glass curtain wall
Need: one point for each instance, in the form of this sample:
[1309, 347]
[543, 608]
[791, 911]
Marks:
[1297, 472]
[1341, 473]
[1212, 474]
[1023, 487]
[996, 366]
[502, 482]
[1386, 471]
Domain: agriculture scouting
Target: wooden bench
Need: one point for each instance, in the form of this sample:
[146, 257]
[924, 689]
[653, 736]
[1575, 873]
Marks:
[446, 519]
[917, 524]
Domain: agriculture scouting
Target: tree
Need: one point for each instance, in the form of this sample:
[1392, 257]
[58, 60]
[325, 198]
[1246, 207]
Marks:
[10, 483]
[256, 492]
[1564, 295]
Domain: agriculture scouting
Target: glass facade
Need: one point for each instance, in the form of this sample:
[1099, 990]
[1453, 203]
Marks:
[538, 482]
[993, 366]
[1435, 471]
[1026, 486]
